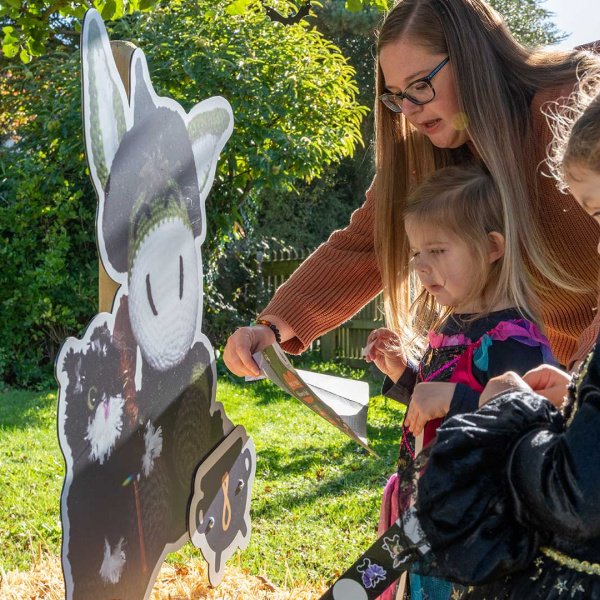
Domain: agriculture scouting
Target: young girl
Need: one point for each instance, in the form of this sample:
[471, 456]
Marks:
[473, 305]
[551, 473]
[520, 512]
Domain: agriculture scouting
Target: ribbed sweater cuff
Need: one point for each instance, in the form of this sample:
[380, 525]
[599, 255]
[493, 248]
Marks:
[299, 319]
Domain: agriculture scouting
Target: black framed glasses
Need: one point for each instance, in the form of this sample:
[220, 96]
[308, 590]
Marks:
[418, 92]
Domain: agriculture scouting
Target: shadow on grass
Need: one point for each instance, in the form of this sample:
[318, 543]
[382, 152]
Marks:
[21, 410]
[305, 464]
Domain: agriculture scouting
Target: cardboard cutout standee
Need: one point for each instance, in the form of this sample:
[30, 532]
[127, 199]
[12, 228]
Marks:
[137, 412]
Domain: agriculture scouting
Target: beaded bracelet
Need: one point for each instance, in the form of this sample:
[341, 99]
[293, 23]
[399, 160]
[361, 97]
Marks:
[271, 326]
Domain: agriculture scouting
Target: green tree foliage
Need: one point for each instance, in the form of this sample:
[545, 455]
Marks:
[529, 21]
[293, 98]
[29, 26]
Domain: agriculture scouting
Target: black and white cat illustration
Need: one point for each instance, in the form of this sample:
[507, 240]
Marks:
[137, 413]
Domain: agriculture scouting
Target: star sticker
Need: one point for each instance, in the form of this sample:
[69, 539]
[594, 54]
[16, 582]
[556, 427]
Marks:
[455, 594]
[579, 588]
[561, 586]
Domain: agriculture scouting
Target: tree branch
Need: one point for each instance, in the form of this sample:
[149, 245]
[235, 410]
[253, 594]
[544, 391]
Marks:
[303, 11]
[52, 9]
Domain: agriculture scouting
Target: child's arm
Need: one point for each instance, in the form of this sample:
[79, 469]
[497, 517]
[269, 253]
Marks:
[554, 476]
[384, 349]
[434, 400]
[430, 400]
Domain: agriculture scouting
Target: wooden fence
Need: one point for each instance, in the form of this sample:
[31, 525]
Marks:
[345, 342]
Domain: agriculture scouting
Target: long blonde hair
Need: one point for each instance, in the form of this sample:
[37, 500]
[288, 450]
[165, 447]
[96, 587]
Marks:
[494, 94]
[465, 202]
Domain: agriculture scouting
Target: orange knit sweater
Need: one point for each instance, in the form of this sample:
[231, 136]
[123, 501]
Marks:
[342, 275]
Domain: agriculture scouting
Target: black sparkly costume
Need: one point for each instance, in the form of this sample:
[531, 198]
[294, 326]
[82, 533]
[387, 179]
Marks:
[521, 511]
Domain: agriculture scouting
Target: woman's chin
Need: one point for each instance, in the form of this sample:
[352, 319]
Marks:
[441, 137]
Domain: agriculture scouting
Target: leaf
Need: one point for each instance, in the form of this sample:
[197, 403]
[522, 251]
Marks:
[109, 10]
[79, 12]
[238, 7]
[25, 56]
[146, 4]
[13, 3]
[36, 47]
[10, 50]
[354, 5]
[120, 9]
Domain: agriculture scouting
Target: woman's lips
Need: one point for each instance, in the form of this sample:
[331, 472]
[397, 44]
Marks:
[431, 126]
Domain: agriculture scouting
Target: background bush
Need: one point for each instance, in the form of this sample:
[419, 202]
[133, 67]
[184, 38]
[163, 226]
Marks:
[294, 100]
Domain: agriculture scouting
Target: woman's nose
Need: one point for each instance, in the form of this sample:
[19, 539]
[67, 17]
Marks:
[409, 108]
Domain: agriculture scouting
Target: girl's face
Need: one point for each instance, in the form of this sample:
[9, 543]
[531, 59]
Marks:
[445, 265]
[441, 120]
[584, 185]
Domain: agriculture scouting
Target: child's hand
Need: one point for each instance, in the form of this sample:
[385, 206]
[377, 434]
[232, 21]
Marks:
[430, 400]
[549, 382]
[509, 382]
[384, 349]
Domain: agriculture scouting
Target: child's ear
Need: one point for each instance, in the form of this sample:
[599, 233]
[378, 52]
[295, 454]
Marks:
[496, 246]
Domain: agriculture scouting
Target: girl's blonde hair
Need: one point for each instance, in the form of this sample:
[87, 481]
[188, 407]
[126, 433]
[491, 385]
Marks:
[576, 129]
[465, 202]
[495, 91]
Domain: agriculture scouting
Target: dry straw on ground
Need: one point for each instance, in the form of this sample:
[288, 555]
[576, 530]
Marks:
[175, 582]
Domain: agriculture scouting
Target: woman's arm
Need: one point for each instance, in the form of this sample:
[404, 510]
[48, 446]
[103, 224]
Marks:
[329, 287]
[585, 342]
[332, 284]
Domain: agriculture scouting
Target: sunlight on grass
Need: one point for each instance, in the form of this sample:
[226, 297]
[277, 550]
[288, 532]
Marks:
[315, 499]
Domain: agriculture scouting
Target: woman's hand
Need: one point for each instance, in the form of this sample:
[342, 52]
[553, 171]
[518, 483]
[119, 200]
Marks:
[509, 382]
[430, 400]
[384, 349]
[246, 341]
[242, 344]
[549, 382]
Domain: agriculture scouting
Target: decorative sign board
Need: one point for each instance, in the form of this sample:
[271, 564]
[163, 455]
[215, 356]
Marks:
[137, 413]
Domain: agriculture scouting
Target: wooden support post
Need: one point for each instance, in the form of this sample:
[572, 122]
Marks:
[107, 288]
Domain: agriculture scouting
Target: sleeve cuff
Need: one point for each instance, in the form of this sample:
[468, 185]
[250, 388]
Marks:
[464, 400]
[402, 390]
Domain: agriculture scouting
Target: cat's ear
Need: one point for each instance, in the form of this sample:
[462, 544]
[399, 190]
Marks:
[105, 108]
[209, 126]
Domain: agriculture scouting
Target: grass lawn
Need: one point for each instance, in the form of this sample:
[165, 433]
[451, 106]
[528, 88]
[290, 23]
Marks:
[315, 499]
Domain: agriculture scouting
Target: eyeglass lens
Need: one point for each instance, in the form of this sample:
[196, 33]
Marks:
[419, 92]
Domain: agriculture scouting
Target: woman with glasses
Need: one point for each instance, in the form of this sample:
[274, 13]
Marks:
[453, 87]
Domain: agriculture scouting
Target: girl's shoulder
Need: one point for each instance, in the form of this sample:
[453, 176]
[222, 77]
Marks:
[513, 333]
[498, 333]
[473, 327]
